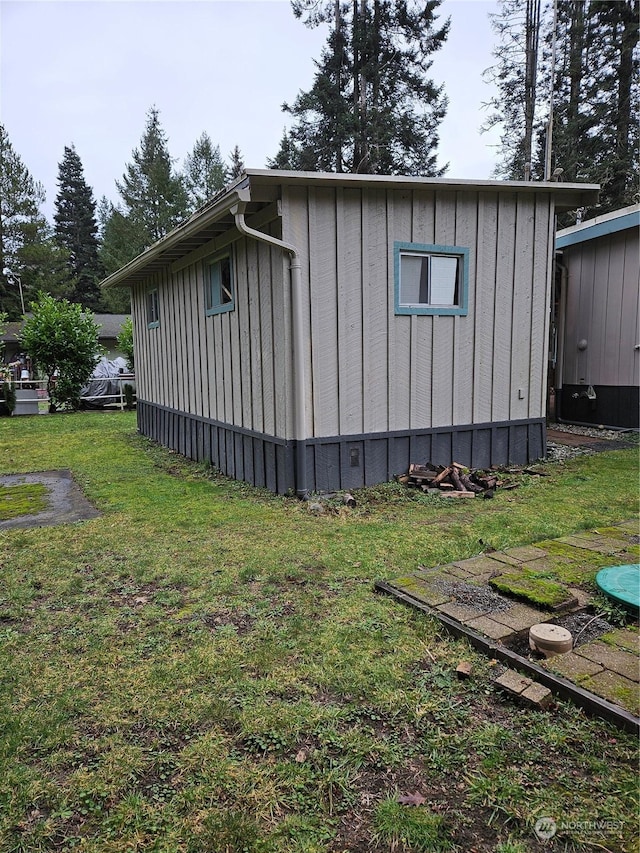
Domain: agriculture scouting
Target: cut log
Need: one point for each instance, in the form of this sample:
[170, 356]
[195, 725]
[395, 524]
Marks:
[455, 479]
[469, 485]
[456, 494]
[441, 476]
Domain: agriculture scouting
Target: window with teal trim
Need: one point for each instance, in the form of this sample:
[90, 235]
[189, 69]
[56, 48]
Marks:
[431, 279]
[153, 309]
[218, 284]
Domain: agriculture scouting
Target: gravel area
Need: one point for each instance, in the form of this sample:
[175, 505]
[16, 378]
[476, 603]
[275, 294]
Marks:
[584, 627]
[593, 432]
[481, 598]
[563, 452]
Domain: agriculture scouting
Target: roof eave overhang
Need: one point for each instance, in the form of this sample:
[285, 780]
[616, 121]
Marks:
[162, 253]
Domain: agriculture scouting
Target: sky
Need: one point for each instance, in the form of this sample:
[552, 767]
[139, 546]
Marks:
[86, 72]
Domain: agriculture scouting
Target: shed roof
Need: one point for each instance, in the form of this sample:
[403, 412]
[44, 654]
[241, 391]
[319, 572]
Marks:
[599, 226]
[263, 188]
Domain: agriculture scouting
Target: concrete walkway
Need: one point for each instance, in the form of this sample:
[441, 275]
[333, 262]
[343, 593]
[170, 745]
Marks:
[608, 666]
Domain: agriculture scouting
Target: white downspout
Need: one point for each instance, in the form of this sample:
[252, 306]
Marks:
[300, 419]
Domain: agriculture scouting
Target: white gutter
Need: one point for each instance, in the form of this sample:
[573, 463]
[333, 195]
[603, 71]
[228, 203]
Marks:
[300, 419]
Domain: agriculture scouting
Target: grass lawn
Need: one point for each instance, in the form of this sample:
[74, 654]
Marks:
[205, 668]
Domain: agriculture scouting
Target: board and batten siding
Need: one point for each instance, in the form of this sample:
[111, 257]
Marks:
[230, 368]
[602, 309]
[369, 370]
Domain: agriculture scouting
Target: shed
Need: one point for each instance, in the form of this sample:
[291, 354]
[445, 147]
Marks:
[309, 331]
[598, 320]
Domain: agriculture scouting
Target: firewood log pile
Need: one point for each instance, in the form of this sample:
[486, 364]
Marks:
[455, 480]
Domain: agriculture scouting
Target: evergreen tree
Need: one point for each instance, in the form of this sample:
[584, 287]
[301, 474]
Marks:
[237, 164]
[595, 97]
[118, 245]
[518, 104]
[27, 249]
[153, 194]
[76, 230]
[204, 172]
[612, 97]
[287, 156]
[372, 107]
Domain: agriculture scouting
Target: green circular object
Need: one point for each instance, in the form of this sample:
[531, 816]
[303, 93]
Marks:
[622, 583]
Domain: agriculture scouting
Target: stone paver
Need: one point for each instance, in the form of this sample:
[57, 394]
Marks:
[616, 688]
[501, 557]
[513, 681]
[479, 565]
[519, 617]
[573, 666]
[462, 612]
[608, 667]
[538, 695]
[489, 627]
[525, 553]
[618, 660]
[595, 543]
[626, 638]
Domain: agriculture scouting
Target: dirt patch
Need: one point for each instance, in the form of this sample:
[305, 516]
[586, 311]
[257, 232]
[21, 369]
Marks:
[66, 502]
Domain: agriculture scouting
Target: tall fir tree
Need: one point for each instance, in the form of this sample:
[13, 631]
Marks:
[76, 230]
[372, 107]
[204, 172]
[236, 167]
[612, 97]
[152, 192]
[517, 104]
[594, 89]
[27, 250]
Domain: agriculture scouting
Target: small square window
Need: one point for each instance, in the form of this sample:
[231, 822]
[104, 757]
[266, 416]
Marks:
[430, 279]
[218, 285]
[153, 309]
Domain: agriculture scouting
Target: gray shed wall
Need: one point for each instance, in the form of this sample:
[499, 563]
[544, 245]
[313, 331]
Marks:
[232, 367]
[382, 390]
[369, 370]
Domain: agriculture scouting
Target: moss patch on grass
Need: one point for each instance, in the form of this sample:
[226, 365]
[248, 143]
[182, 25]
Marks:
[22, 499]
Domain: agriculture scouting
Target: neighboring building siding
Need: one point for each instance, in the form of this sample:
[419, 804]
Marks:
[602, 329]
[369, 370]
[602, 308]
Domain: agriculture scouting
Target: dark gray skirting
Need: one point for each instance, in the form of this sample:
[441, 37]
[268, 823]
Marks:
[339, 462]
[614, 405]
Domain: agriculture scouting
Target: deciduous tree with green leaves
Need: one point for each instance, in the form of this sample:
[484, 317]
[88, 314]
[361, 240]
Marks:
[62, 341]
[125, 342]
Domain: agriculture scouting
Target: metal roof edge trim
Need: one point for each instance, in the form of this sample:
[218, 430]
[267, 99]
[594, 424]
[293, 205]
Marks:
[621, 220]
[284, 176]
